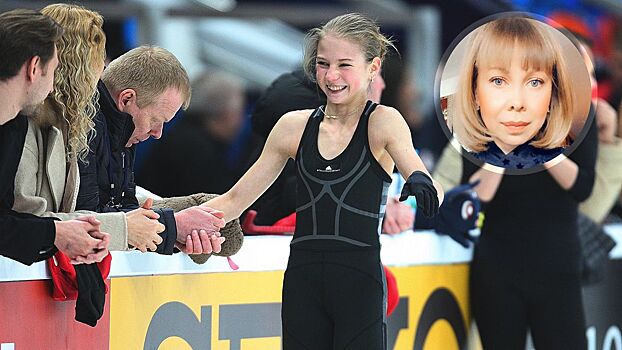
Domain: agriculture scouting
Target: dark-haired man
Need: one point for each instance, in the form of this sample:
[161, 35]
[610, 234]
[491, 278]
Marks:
[28, 59]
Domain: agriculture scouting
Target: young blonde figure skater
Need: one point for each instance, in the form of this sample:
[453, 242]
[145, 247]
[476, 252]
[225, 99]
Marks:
[333, 291]
[515, 102]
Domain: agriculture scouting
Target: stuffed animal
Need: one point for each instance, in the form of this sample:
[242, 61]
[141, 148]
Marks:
[232, 230]
[458, 214]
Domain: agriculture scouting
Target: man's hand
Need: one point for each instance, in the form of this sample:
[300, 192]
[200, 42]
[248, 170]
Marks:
[143, 228]
[607, 121]
[398, 217]
[82, 239]
[199, 218]
[99, 254]
[201, 242]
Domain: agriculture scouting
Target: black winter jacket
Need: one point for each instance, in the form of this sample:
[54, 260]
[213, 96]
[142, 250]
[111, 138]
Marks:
[23, 237]
[107, 174]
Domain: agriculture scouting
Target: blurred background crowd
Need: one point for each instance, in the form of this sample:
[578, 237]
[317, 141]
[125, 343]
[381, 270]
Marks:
[234, 49]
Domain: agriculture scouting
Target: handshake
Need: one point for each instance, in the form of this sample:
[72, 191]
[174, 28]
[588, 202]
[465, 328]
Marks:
[198, 229]
[187, 225]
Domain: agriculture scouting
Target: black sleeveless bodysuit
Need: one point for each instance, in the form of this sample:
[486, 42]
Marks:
[334, 293]
[342, 199]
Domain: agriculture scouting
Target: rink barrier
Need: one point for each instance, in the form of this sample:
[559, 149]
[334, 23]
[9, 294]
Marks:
[169, 302]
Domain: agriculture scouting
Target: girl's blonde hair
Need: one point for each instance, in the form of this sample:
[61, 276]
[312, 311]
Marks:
[493, 45]
[351, 26]
[80, 49]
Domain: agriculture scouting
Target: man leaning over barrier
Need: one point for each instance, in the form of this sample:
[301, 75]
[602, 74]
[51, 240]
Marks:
[139, 92]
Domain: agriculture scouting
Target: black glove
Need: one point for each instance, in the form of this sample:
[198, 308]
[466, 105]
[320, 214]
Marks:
[91, 294]
[419, 184]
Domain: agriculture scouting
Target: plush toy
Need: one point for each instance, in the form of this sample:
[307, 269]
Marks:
[458, 214]
[232, 231]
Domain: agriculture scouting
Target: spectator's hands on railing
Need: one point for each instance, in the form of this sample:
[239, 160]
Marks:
[398, 217]
[607, 121]
[143, 228]
[81, 240]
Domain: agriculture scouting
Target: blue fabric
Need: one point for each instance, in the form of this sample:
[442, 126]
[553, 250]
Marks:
[522, 157]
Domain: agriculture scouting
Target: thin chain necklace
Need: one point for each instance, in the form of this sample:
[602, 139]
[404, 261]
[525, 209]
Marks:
[327, 116]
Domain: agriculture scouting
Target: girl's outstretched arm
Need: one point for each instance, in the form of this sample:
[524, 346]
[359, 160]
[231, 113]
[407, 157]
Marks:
[391, 128]
[281, 145]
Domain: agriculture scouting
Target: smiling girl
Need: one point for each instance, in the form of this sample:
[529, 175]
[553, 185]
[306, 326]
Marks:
[333, 289]
[515, 103]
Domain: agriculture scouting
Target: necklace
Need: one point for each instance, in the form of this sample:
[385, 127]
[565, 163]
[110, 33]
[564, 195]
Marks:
[327, 116]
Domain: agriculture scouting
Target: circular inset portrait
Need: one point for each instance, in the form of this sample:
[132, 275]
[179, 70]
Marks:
[515, 92]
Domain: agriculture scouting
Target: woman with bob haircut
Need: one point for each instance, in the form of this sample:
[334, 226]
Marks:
[333, 289]
[515, 102]
[525, 272]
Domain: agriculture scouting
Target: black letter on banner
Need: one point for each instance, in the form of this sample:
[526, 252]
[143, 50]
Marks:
[397, 321]
[237, 322]
[175, 319]
[440, 305]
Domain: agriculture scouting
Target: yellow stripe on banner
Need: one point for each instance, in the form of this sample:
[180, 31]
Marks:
[175, 343]
[419, 283]
[441, 333]
[135, 300]
[241, 310]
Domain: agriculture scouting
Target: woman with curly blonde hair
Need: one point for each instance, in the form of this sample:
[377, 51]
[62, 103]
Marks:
[81, 52]
[58, 135]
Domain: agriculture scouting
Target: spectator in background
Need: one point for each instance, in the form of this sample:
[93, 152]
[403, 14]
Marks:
[204, 151]
[614, 68]
[289, 92]
[608, 180]
[401, 92]
[28, 59]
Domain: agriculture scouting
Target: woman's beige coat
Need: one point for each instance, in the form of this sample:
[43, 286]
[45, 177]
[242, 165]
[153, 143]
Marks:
[47, 185]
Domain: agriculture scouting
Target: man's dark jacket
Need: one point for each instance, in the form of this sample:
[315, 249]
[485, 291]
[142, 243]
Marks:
[107, 174]
[23, 237]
